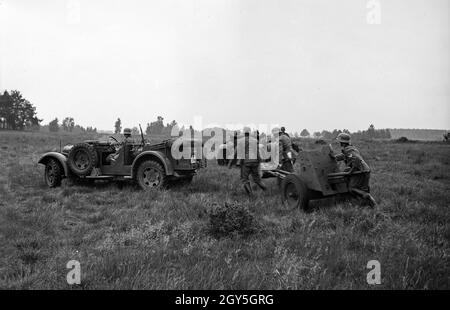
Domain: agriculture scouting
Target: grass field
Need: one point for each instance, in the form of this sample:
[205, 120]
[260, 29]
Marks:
[128, 239]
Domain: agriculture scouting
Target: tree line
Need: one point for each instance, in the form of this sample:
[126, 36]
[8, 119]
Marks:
[17, 113]
[68, 125]
[158, 128]
[153, 128]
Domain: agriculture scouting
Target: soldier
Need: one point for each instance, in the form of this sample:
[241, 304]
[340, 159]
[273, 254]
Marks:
[283, 132]
[248, 154]
[358, 183]
[118, 146]
[285, 149]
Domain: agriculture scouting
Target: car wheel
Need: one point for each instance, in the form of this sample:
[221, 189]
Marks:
[151, 174]
[82, 159]
[295, 192]
[53, 173]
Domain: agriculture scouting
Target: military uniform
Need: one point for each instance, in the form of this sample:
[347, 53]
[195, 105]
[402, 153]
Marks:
[285, 149]
[248, 154]
[359, 170]
[355, 163]
[118, 146]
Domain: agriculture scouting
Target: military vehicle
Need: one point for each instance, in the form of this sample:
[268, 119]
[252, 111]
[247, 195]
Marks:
[316, 175]
[149, 165]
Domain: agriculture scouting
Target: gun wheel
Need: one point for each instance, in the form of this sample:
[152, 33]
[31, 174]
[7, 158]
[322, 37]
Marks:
[295, 193]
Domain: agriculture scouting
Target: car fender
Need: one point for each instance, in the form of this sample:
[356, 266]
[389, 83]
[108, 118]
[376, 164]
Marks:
[149, 154]
[59, 157]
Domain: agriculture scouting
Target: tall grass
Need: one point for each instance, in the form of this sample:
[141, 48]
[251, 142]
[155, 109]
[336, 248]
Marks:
[126, 238]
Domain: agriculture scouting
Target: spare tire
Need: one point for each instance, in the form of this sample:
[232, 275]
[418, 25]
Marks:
[82, 159]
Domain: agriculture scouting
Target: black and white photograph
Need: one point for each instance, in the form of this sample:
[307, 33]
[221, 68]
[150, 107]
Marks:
[236, 147]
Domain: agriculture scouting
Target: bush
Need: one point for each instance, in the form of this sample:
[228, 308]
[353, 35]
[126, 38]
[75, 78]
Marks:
[231, 219]
[402, 140]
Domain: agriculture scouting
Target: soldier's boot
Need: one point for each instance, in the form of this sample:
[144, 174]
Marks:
[248, 189]
[365, 195]
[371, 201]
[261, 185]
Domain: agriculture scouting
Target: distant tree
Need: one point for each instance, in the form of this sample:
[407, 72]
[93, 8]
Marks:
[135, 131]
[346, 131]
[91, 129]
[68, 124]
[79, 129]
[388, 134]
[296, 135]
[53, 126]
[16, 112]
[118, 126]
[371, 134]
[157, 127]
[316, 134]
[335, 133]
[304, 133]
[327, 134]
[148, 130]
[168, 129]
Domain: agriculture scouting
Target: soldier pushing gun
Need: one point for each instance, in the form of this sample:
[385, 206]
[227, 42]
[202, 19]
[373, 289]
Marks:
[360, 170]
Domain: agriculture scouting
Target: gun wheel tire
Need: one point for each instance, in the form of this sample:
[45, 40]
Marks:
[151, 175]
[295, 193]
[53, 173]
[82, 159]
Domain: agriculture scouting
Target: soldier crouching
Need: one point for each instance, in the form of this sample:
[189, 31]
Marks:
[356, 166]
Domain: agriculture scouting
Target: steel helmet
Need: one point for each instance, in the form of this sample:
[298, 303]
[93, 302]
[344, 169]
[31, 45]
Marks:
[343, 138]
[127, 132]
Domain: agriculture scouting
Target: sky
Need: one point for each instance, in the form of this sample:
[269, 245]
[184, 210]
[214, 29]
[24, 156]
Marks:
[311, 64]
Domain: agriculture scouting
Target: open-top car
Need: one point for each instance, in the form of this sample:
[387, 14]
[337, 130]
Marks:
[149, 165]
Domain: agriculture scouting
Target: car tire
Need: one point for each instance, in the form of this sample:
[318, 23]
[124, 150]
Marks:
[295, 192]
[53, 173]
[151, 175]
[82, 159]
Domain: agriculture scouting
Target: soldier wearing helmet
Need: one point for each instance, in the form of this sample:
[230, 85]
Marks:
[283, 132]
[359, 181]
[286, 152]
[118, 146]
[247, 152]
[127, 133]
